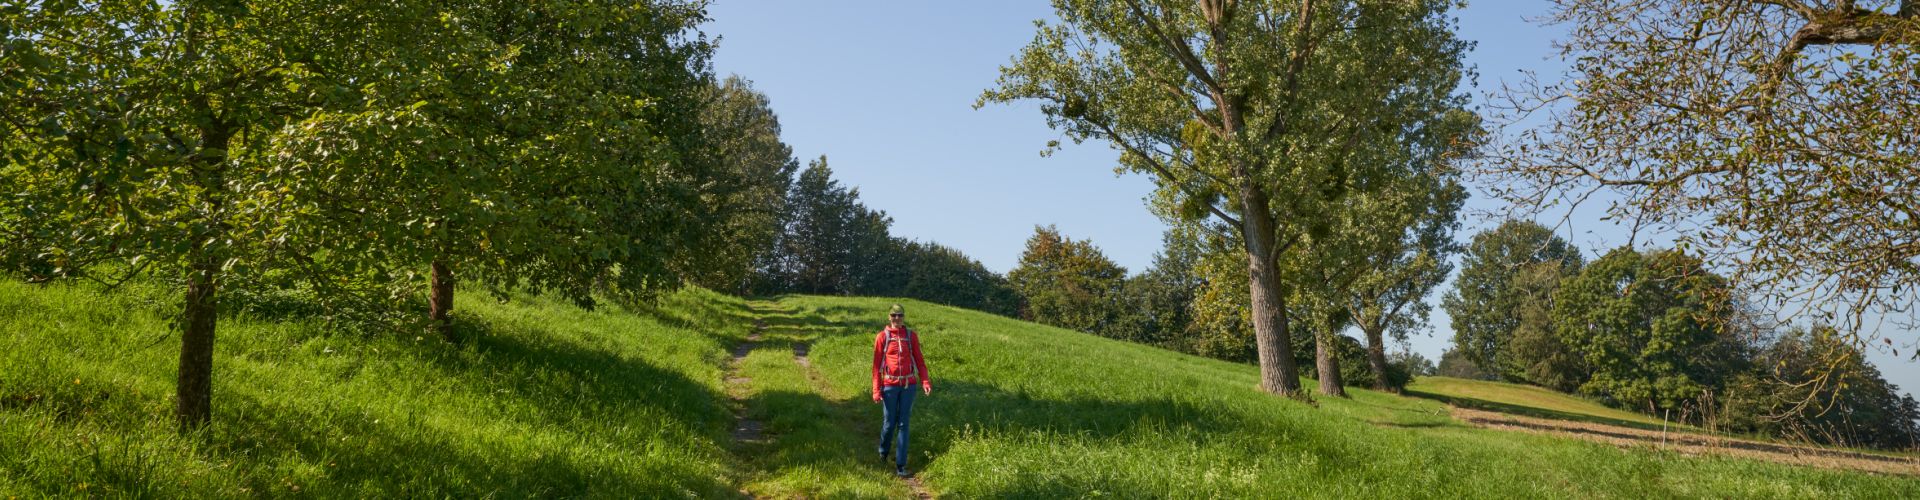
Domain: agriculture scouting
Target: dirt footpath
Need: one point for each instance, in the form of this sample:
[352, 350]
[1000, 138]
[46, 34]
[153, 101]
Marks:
[1696, 444]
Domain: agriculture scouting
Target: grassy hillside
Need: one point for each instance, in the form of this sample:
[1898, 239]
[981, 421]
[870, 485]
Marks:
[1024, 410]
[1530, 401]
[551, 401]
[547, 400]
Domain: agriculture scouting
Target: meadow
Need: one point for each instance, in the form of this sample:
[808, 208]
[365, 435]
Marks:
[545, 399]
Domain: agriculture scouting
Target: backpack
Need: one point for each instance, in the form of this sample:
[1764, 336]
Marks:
[896, 359]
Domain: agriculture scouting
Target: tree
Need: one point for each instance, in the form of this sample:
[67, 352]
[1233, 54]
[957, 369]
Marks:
[816, 244]
[1855, 407]
[1250, 114]
[1455, 363]
[1222, 326]
[1157, 304]
[744, 134]
[1649, 327]
[878, 263]
[942, 275]
[1317, 311]
[1068, 283]
[208, 143]
[1534, 351]
[1773, 136]
[830, 243]
[1401, 247]
[534, 149]
[1412, 363]
[1489, 301]
[137, 137]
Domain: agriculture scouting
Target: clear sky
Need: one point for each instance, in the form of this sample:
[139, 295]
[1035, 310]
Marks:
[885, 89]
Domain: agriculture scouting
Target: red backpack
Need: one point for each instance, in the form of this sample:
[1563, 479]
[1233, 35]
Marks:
[896, 360]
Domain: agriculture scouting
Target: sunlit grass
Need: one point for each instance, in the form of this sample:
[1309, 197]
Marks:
[1502, 396]
[548, 400]
[545, 400]
[1030, 411]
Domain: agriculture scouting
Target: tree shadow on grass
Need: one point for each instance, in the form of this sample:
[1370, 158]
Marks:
[1494, 406]
[336, 452]
[965, 409]
[729, 321]
[802, 319]
[985, 408]
[589, 401]
[565, 382]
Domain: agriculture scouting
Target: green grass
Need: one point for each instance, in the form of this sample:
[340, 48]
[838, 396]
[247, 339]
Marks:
[1531, 401]
[816, 442]
[1020, 410]
[546, 400]
[1519, 399]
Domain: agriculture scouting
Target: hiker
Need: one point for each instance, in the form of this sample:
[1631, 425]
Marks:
[897, 366]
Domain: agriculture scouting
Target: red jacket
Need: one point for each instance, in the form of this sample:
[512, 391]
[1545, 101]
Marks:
[897, 360]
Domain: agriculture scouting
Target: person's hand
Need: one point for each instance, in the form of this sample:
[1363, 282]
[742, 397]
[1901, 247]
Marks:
[927, 388]
[876, 397]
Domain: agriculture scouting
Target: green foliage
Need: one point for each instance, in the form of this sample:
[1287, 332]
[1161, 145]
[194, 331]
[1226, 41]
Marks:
[335, 148]
[1505, 285]
[547, 148]
[743, 137]
[1412, 363]
[1534, 351]
[1456, 364]
[829, 242]
[1157, 305]
[1649, 328]
[821, 234]
[1389, 252]
[942, 275]
[1812, 385]
[1068, 283]
[1262, 117]
[1222, 323]
[1775, 138]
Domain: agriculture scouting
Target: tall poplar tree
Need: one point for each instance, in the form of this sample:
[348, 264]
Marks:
[1247, 113]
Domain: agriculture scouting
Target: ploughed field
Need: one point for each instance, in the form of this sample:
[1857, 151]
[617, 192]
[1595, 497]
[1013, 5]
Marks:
[704, 395]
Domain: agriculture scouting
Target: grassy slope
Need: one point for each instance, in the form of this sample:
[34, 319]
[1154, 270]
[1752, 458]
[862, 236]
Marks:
[1531, 401]
[548, 400]
[551, 401]
[1022, 410]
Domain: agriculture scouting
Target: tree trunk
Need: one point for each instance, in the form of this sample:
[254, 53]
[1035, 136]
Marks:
[193, 391]
[1377, 360]
[440, 300]
[1269, 307]
[1328, 365]
[193, 385]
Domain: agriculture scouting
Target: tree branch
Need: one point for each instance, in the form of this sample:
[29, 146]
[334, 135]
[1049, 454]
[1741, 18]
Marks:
[1176, 47]
[1161, 168]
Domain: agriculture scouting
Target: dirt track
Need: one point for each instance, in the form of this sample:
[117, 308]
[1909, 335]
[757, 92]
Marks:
[1696, 444]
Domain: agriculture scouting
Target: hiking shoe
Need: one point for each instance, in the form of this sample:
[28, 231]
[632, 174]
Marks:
[900, 470]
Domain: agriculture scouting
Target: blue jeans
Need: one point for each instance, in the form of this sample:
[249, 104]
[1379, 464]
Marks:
[897, 404]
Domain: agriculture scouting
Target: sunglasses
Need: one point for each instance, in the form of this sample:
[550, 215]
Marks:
[897, 315]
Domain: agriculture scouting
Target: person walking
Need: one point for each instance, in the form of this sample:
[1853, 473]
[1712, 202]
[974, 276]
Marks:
[897, 366]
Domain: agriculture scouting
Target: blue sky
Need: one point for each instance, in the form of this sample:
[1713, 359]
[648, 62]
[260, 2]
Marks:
[886, 91]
